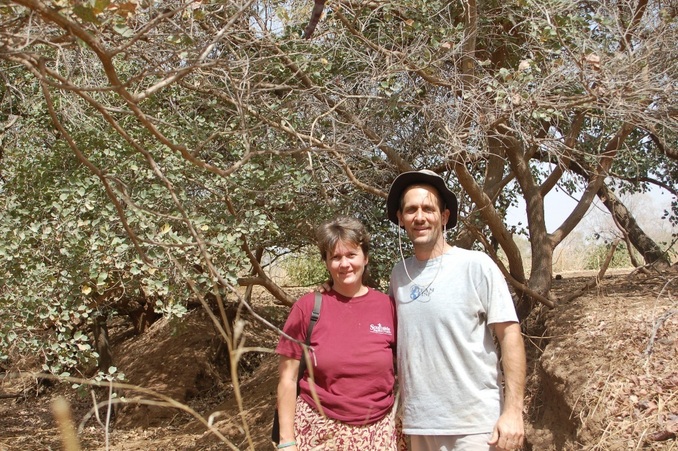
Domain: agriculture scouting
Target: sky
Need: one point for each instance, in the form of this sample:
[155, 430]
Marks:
[647, 208]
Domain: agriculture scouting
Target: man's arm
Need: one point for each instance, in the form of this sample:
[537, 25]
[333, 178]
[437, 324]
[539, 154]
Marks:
[509, 432]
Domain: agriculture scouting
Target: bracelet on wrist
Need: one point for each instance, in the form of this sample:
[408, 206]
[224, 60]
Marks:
[287, 444]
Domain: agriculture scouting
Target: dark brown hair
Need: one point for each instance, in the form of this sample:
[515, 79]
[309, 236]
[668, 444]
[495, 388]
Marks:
[343, 228]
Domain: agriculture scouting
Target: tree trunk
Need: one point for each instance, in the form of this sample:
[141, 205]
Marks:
[100, 330]
[540, 242]
[540, 275]
[651, 252]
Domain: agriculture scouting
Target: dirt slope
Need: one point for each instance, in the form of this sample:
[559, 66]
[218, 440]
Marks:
[602, 376]
[607, 378]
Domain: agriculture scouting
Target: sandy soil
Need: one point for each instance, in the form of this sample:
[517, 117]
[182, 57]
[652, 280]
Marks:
[602, 375]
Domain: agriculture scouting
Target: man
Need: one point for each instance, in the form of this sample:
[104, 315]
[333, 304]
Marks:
[451, 303]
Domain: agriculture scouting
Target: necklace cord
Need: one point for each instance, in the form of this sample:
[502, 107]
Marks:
[421, 288]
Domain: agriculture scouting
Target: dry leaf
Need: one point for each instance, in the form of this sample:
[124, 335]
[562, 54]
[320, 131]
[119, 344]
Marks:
[592, 58]
[661, 436]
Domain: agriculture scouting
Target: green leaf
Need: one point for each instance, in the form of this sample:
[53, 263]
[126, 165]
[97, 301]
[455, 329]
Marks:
[101, 5]
[123, 30]
[85, 13]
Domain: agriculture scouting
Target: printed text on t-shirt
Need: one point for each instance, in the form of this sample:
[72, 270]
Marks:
[379, 329]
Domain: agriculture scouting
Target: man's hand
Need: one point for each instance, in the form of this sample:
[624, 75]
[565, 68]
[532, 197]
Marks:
[509, 432]
[326, 287]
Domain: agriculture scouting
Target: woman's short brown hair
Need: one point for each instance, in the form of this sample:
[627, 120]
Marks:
[342, 228]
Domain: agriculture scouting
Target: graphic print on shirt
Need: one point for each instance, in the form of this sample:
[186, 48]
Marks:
[379, 329]
[420, 293]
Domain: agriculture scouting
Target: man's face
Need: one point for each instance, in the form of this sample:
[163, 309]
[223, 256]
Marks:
[421, 216]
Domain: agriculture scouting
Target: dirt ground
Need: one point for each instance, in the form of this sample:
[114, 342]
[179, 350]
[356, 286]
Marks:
[602, 375]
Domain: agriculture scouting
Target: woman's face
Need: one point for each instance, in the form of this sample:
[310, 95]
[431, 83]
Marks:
[346, 264]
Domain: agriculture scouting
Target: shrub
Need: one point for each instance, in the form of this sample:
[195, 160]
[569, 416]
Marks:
[305, 268]
[598, 253]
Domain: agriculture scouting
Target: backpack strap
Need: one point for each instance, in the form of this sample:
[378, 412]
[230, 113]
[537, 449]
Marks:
[314, 319]
[314, 316]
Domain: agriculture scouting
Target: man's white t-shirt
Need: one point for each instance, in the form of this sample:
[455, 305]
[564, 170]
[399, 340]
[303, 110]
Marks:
[448, 364]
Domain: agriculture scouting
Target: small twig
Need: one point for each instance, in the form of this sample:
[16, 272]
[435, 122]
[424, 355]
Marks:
[108, 415]
[596, 280]
[95, 409]
[660, 321]
[12, 375]
[657, 325]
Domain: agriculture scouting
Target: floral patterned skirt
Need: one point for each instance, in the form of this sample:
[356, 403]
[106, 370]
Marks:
[315, 432]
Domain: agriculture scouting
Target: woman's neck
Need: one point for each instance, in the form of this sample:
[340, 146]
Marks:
[350, 291]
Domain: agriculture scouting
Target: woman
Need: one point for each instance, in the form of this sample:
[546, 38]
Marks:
[352, 354]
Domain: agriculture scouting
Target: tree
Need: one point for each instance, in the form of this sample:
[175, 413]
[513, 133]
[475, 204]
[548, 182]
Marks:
[209, 138]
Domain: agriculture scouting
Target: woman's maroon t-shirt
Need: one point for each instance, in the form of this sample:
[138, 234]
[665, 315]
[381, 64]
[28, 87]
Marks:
[353, 346]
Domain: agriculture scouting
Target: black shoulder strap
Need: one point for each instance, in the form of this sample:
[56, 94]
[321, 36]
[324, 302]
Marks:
[314, 316]
[314, 319]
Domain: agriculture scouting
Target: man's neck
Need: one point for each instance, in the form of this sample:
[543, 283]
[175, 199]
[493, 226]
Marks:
[425, 253]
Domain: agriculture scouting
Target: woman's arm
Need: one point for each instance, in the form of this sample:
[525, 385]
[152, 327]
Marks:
[288, 368]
